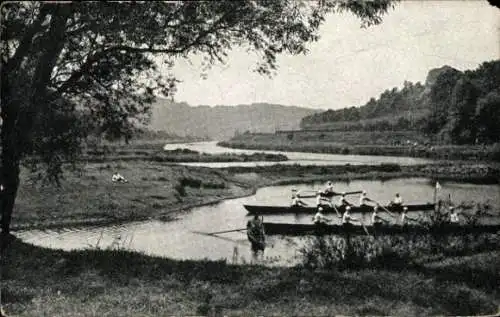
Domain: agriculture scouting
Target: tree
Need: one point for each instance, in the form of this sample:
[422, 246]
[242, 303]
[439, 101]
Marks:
[461, 113]
[488, 117]
[70, 70]
[440, 99]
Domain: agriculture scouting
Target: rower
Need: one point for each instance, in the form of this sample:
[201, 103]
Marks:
[347, 218]
[256, 234]
[376, 219]
[319, 218]
[296, 201]
[397, 202]
[329, 187]
[363, 200]
[454, 220]
[343, 203]
[321, 200]
[405, 218]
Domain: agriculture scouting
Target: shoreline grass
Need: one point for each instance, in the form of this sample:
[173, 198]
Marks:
[43, 282]
[162, 191]
[317, 145]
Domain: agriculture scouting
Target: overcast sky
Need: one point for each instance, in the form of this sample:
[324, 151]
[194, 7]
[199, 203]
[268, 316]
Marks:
[348, 65]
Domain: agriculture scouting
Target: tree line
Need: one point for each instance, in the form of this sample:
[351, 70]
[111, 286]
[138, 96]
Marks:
[456, 108]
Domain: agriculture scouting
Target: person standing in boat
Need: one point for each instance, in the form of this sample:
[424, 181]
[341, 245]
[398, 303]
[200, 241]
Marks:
[256, 234]
[319, 218]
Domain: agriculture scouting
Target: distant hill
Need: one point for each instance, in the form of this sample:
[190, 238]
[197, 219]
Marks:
[223, 122]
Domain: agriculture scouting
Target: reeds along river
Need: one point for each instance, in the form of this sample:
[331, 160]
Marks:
[178, 239]
[300, 158]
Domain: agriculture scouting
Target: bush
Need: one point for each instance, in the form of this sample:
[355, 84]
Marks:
[396, 251]
[190, 182]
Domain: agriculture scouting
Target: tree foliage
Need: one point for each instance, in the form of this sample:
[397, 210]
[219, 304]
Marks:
[75, 69]
[394, 102]
[453, 107]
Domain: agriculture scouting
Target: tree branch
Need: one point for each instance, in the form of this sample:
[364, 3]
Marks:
[26, 41]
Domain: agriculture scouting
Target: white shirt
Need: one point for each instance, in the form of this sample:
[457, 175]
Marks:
[362, 200]
[346, 217]
[403, 218]
[296, 201]
[398, 200]
[375, 218]
[319, 218]
[454, 218]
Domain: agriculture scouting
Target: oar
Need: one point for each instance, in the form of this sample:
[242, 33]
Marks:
[346, 193]
[387, 210]
[336, 210]
[225, 231]
[219, 237]
[364, 228]
[331, 194]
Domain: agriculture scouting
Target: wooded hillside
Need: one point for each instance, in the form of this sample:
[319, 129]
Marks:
[452, 107]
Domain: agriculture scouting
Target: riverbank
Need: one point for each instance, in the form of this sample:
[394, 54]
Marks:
[42, 282]
[361, 143]
[162, 191]
[154, 152]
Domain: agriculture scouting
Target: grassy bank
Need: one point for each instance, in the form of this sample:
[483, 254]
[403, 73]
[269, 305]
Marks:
[153, 190]
[153, 152]
[362, 143]
[159, 190]
[42, 282]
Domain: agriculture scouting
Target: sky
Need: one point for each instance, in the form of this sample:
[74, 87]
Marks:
[349, 64]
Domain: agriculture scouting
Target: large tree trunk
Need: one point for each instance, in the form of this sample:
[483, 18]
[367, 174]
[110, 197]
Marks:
[10, 160]
[17, 123]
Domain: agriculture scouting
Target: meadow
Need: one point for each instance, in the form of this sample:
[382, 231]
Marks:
[114, 282]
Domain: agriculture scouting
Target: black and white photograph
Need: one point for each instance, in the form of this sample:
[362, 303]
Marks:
[250, 158]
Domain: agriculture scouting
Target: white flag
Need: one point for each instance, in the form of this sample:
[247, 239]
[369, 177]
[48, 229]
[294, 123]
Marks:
[438, 186]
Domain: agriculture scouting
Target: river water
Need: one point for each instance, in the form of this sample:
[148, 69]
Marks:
[180, 239]
[300, 158]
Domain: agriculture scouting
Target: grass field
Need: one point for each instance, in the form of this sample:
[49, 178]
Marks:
[153, 190]
[43, 282]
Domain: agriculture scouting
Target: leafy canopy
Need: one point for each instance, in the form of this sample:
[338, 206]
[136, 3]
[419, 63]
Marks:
[92, 68]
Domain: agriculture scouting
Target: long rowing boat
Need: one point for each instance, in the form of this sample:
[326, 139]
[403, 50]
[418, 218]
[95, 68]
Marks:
[323, 229]
[280, 210]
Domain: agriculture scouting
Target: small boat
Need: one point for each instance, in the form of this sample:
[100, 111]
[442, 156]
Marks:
[280, 210]
[325, 229]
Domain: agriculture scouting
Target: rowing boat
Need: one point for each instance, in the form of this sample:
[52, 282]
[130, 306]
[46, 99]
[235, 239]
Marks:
[323, 229]
[279, 210]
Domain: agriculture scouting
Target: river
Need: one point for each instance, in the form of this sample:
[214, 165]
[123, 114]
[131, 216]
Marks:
[179, 239]
[300, 158]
